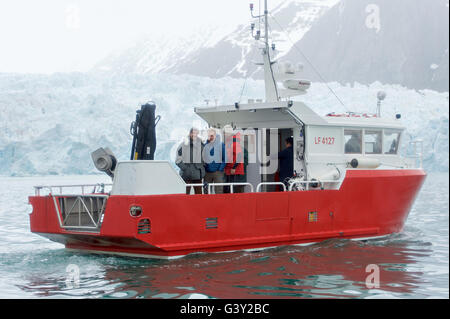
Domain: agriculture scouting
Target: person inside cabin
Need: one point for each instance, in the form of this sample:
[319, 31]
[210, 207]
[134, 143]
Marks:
[393, 148]
[353, 145]
[214, 159]
[286, 161]
[234, 168]
[189, 160]
[243, 179]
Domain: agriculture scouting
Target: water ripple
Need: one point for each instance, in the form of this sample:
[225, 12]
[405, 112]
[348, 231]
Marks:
[413, 264]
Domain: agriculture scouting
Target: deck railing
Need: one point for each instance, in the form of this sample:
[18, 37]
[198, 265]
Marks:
[98, 188]
[418, 151]
[260, 185]
[213, 185]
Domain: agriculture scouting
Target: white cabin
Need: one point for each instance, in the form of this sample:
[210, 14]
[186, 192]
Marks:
[321, 147]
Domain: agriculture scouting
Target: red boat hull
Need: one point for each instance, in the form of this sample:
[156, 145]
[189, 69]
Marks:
[370, 203]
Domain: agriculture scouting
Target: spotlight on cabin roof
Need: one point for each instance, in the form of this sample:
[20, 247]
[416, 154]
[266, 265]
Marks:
[381, 95]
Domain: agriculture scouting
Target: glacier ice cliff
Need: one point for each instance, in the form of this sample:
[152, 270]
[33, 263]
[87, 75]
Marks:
[49, 124]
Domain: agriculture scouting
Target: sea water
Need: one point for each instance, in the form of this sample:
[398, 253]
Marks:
[412, 264]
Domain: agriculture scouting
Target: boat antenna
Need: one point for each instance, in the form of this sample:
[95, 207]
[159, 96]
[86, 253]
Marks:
[269, 78]
[310, 63]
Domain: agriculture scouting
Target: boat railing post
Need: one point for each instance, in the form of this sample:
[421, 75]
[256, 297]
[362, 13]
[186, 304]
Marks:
[259, 186]
[211, 186]
[231, 185]
[418, 154]
[61, 188]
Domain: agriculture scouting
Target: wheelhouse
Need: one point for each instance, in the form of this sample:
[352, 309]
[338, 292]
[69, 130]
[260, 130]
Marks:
[324, 146]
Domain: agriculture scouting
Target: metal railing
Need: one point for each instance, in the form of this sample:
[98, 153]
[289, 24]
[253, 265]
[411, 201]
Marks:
[258, 188]
[213, 185]
[98, 188]
[260, 185]
[418, 154]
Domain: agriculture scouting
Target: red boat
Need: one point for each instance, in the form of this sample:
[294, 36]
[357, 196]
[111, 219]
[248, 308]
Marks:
[349, 182]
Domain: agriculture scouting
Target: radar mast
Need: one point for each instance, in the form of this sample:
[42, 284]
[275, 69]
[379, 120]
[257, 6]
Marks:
[269, 78]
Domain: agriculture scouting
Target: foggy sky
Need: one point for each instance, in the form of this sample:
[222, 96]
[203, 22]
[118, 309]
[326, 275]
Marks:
[49, 36]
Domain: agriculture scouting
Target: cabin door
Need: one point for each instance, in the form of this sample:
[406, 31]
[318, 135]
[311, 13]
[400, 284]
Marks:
[273, 143]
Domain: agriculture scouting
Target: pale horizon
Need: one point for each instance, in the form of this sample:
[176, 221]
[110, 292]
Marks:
[49, 36]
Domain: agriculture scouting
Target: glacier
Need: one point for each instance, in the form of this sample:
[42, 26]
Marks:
[49, 124]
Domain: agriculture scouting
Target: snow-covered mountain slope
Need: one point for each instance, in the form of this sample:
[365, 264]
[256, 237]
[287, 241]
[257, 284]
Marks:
[213, 51]
[160, 53]
[50, 124]
[399, 42]
[394, 42]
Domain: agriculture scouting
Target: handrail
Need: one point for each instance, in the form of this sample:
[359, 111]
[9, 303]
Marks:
[38, 189]
[418, 154]
[231, 186]
[258, 188]
[222, 184]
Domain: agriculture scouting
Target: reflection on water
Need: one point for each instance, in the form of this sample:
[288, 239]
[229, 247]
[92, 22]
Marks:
[335, 268]
[413, 264]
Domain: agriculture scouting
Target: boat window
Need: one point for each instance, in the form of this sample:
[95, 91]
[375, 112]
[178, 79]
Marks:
[353, 141]
[372, 142]
[390, 141]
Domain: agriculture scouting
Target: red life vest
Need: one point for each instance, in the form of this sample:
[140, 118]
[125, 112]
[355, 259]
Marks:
[235, 155]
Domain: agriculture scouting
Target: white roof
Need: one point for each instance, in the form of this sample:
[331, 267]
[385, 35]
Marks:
[284, 115]
[367, 122]
[260, 115]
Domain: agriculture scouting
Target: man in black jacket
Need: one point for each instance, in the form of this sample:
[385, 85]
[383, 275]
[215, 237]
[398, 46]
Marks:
[189, 160]
[286, 160]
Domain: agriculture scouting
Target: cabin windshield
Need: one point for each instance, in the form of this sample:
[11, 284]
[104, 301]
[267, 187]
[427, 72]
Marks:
[353, 141]
[372, 142]
[391, 141]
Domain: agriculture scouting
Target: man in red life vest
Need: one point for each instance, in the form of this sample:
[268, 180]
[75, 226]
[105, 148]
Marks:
[234, 169]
